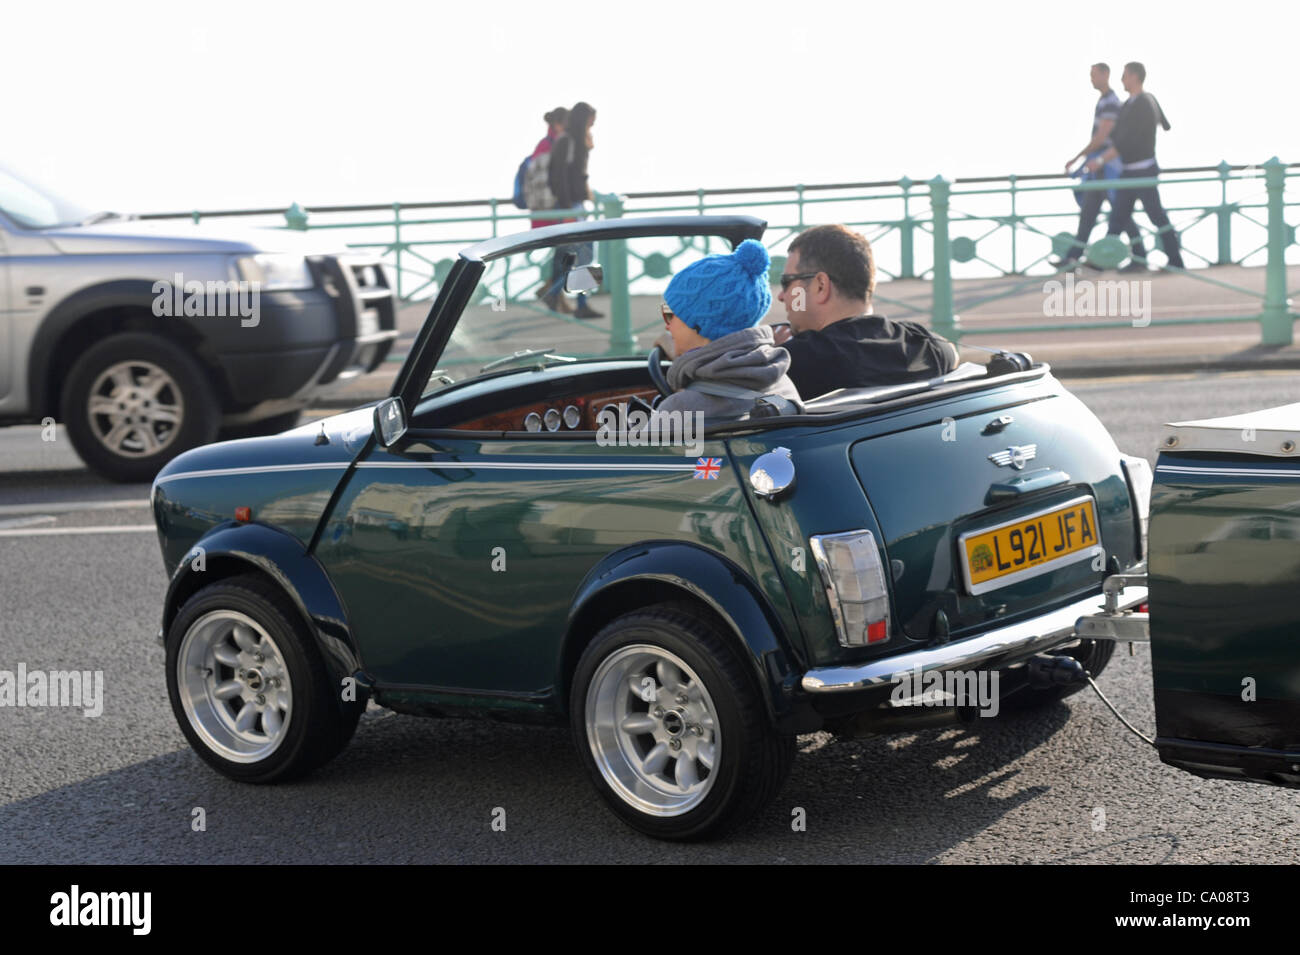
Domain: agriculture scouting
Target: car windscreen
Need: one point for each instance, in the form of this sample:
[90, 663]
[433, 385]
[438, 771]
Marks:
[520, 315]
[33, 206]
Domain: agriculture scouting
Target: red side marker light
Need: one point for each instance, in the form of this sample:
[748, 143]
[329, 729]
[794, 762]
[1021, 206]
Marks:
[1142, 608]
[876, 632]
[243, 514]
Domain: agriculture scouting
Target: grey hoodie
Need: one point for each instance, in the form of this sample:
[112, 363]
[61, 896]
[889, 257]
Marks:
[746, 359]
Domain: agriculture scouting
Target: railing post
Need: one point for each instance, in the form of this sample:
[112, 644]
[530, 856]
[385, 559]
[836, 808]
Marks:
[614, 260]
[907, 267]
[296, 217]
[1224, 215]
[699, 199]
[942, 318]
[799, 192]
[1275, 320]
[397, 245]
[1015, 223]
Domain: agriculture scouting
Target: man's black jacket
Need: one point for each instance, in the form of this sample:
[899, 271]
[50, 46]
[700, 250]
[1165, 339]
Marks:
[866, 351]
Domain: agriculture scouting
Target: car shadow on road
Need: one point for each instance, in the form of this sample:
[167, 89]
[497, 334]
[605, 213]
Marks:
[415, 790]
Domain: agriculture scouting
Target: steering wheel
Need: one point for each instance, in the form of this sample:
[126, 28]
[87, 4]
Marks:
[657, 376]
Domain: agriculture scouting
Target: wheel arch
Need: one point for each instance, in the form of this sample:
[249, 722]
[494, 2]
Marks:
[673, 571]
[89, 315]
[231, 550]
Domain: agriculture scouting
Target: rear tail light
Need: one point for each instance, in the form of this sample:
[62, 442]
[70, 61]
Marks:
[854, 575]
[1138, 472]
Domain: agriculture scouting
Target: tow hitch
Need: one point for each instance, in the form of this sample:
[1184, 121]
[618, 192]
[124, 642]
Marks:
[1126, 626]
[1129, 625]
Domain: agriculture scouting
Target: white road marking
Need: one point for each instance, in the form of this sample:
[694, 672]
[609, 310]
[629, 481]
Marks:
[65, 506]
[31, 521]
[52, 531]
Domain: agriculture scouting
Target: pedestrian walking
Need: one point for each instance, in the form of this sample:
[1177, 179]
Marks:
[568, 181]
[1133, 140]
[1104, 116]
[538, 195]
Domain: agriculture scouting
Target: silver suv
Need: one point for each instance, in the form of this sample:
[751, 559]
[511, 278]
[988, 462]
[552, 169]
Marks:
[147, 338]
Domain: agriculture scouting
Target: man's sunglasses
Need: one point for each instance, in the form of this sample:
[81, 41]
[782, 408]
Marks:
[787, 280]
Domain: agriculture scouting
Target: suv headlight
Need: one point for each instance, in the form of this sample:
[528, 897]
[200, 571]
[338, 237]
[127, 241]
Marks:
[854, 576]
[1138, 473]
[275, 272]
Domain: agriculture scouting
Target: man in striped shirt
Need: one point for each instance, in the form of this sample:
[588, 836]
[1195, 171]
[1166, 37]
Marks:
[1103, 121]
[1133, 140]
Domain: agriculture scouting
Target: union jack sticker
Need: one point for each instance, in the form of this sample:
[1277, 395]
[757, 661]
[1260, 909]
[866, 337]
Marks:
[706, 469]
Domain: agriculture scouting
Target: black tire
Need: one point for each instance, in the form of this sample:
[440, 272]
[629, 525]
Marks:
[319, 726]
[200, 411]
[1093, 654]
[753, 759]
[258, 429]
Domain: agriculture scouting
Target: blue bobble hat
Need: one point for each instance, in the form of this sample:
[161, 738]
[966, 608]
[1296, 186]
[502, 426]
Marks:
[721, 294]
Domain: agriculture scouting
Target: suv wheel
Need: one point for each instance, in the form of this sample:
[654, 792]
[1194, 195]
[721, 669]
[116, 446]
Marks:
[671, 728]
[133, 401]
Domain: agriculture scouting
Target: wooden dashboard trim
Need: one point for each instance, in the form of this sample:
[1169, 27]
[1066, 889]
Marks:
[512, 419]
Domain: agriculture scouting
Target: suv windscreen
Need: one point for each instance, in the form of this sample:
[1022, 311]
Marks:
[519, 315]
[35, 207]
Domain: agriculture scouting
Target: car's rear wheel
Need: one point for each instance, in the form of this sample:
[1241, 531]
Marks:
[248, 686]
[671, 727]
[133, 401]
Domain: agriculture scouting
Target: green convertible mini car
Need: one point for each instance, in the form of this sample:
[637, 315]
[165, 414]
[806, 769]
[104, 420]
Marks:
[485, 542]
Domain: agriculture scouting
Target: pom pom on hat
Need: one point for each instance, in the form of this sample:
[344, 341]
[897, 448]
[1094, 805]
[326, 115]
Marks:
[721, 294]
[752, 257]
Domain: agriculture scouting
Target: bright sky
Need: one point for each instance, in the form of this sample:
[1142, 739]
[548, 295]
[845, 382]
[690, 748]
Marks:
[166, 106]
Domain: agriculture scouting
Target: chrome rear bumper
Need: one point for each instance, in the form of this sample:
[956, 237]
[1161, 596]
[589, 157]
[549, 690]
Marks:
[991, 650]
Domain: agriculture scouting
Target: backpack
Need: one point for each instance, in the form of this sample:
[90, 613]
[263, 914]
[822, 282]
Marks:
[537, 186]
[521, 177]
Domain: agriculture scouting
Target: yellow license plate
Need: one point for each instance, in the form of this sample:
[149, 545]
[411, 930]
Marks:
[1029, 546]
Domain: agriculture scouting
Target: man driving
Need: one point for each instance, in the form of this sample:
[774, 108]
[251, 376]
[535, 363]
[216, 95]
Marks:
[833, 338]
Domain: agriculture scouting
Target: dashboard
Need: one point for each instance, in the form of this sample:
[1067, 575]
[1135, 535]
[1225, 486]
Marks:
[578, 413]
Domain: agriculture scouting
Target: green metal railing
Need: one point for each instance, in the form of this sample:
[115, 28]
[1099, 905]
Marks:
[991, 226]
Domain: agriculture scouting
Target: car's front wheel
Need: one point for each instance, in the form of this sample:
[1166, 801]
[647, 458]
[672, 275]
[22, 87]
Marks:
[248, 685]
[671, 727]
[133, 401]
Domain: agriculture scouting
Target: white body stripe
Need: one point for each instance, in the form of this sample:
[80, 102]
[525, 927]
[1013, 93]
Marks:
[1229, 472]
[474, 465]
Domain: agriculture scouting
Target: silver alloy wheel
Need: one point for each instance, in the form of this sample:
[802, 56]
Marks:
[135, 409]
[234, 686]
[653, 730]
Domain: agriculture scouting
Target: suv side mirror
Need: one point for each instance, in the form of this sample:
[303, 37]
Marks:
[390, 421]
[585, 278]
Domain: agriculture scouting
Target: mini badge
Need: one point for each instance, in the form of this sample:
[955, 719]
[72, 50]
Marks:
[706, 469]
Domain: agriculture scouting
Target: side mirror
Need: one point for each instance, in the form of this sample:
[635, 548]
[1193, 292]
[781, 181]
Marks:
[390, 421]
[586, 278]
